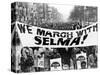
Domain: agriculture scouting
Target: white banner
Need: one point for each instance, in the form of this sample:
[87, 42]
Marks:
[36, 36]
[55, 64]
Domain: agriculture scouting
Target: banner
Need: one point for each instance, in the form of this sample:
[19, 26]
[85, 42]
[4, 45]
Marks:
[55, 64]
[36, 36]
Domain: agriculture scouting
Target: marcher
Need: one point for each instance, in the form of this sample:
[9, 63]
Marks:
[55, 54]
[92, 61]
[26, 60]
[36, 58]
[47, 59]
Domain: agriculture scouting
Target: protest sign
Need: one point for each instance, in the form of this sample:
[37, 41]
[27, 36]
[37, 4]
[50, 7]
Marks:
[82, 57]
[55, 64]
[41, 62]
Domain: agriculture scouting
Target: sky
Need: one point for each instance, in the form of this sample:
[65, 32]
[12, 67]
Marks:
[65, 10]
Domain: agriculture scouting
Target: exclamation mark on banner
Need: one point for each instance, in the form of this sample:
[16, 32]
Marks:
[85, 36]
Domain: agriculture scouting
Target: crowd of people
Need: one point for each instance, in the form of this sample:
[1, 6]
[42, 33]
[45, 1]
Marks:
[21, 12]
[31, 56]
[62, 26]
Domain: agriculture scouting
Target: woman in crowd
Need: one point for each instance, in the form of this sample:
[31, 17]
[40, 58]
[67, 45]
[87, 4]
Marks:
[39, 59]
[92, 59]
[47, 59]
[26, 60]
